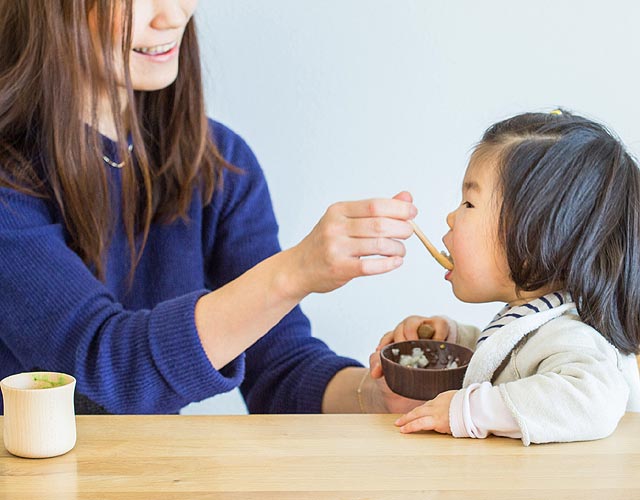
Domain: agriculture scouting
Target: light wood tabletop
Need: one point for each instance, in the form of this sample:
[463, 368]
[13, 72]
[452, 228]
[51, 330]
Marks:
[314, 457]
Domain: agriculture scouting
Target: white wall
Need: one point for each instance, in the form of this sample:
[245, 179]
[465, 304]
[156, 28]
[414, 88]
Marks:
[350, 99]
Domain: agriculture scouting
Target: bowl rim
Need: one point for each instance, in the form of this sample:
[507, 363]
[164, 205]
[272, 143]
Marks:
[384, 357]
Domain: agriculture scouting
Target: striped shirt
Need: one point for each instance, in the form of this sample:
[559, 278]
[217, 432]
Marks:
[510, 313]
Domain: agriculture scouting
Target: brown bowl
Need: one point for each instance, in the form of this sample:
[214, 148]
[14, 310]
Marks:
[424, 383]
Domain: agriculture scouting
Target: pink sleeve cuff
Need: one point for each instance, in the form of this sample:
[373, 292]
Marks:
[478, 411]
[456, 420]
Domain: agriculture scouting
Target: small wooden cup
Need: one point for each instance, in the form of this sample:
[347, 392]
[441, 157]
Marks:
[423, 383]
[39, 417]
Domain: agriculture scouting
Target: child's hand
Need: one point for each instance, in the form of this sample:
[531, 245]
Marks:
[431, 416]
[408, 330]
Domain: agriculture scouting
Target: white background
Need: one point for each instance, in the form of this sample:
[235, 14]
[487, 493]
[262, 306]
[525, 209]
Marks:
[351, 99]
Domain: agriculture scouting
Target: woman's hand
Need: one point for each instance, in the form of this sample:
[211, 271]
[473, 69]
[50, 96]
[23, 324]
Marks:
[331, 255]
[407, 329]
[234, 316]
[431, 416]
[378, 398]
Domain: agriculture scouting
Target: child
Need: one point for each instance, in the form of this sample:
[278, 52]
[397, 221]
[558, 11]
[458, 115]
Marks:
[549, 223]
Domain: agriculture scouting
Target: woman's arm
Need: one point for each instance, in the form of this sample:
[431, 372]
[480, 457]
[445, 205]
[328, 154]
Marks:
[341, 395]
[375, 396]
[233, 317]
[56, 315]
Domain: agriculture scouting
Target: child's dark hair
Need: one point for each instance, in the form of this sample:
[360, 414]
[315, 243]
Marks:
[570, 216]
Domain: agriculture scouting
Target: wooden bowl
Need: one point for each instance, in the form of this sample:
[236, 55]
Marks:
[424, 383]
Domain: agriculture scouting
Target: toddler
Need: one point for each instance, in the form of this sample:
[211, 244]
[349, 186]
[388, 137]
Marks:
[550, 225]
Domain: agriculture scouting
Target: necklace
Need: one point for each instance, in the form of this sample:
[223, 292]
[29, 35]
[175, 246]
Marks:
[112, 163]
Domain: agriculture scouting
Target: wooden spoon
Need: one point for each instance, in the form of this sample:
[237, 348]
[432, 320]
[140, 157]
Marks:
[442, 260]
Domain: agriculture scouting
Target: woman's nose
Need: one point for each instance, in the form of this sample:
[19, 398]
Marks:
[169, 14]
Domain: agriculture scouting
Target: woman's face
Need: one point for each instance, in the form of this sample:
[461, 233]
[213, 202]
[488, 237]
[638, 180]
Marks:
[480, 272]
[158, 26]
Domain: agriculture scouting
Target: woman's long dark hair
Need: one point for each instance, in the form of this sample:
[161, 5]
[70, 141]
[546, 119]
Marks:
[49, 70]
[570, 216]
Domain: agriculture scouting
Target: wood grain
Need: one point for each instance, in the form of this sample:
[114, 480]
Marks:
[316, 456]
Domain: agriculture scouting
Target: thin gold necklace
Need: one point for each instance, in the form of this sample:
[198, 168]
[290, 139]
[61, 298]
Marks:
[112, 163]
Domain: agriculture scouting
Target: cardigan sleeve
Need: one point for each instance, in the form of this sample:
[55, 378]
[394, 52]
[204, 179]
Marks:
[570, 387]
[465, 335]
[287, 370]
[56, 315]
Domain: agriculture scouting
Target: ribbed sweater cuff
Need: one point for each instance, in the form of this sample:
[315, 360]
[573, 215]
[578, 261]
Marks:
[178, 353]
[315, 383]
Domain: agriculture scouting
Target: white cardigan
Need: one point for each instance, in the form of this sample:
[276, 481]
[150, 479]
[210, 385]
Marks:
[565, 383]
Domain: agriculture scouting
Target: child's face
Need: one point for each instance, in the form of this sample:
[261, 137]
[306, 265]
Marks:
[480, 272]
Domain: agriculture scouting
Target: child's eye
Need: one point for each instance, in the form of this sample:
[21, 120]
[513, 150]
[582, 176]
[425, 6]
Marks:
[466, 204]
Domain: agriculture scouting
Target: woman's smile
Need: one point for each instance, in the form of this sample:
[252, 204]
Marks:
[158, 53]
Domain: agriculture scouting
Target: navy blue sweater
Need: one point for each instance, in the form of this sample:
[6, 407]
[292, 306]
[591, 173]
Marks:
[136, 350]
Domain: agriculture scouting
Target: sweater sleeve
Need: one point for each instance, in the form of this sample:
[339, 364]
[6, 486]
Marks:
[287, 370]
[55, 315]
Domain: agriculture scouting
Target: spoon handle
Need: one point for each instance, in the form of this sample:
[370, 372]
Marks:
[442, 260]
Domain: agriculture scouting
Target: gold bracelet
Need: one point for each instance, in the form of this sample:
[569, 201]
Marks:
[359, 391]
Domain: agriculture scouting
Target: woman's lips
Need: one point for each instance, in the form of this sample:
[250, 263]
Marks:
[155, 50]
[158, 53]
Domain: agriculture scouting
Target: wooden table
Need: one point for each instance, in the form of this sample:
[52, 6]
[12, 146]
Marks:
[316, 456]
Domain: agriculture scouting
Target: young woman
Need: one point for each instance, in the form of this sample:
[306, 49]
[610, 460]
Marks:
[138, 246]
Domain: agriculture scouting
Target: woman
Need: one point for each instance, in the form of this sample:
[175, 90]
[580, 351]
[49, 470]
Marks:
[138, 246]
